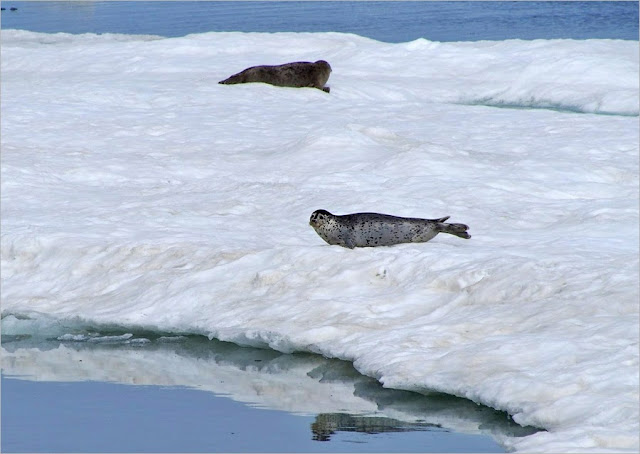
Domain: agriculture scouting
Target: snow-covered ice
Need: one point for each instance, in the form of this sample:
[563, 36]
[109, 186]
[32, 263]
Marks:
[138, 192]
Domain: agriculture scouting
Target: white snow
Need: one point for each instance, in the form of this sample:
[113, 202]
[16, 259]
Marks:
[138, 192]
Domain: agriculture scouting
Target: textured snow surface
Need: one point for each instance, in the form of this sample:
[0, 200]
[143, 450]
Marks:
[138, 192]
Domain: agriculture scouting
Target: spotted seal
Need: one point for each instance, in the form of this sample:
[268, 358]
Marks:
[297, 74]
[375, 229]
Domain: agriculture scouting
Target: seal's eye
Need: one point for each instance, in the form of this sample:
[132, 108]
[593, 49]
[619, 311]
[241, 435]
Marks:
[319, 216]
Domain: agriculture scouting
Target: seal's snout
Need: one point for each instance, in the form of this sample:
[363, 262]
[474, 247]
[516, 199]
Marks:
[318, 217]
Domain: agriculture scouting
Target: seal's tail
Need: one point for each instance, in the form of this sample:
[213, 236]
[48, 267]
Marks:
[453, 229]
[235, 79]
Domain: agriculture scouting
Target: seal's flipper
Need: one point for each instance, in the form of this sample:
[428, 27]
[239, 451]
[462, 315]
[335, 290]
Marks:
[235, 79]
[348, 241]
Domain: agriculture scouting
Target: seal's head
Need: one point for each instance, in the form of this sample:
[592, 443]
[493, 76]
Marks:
[323, 64]
[319, 217]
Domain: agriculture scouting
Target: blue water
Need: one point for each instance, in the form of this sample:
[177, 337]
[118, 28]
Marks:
[107, 417]
[71, 415]
[383, 21]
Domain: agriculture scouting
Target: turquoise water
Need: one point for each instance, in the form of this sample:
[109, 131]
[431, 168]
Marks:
[383, 21]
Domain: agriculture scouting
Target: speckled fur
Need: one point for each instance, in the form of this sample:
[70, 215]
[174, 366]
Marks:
[374, 229]
[297, 74]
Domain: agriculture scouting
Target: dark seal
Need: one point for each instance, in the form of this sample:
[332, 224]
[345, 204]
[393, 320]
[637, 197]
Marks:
[375, 229]
[297, 74]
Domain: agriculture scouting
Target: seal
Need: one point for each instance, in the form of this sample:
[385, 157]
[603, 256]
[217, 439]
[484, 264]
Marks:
[375, 229]
[297, 74]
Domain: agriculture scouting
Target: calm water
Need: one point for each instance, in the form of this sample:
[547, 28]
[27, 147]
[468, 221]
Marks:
[107, 417]
[191, 395]
[384, 21]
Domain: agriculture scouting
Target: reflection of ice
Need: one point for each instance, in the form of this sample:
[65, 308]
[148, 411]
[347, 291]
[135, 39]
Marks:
[305, 384]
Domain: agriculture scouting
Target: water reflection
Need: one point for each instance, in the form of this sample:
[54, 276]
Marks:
[341, 399]
[327, 424]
